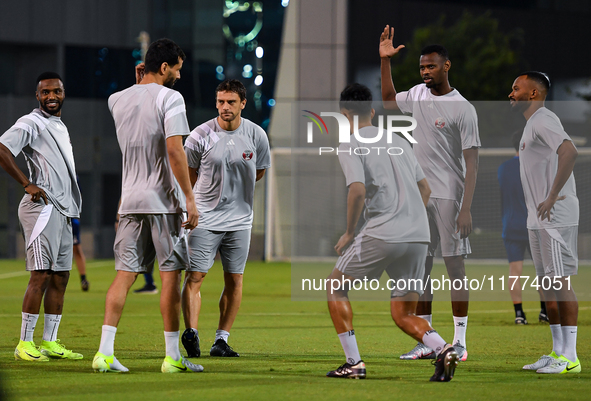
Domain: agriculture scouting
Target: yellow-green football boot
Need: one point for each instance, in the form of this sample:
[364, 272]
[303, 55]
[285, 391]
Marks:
[27, 351]
[57, 350]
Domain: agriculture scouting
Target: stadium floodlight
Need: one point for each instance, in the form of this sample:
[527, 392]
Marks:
[259, 52]
[258, 80]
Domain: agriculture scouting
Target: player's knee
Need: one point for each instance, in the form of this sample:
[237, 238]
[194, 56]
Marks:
[233, 280]
[194, 277]
[60, 279]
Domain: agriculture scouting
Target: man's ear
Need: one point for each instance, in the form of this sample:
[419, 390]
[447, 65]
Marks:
[446, 65]
[163, 67]
[534, 93]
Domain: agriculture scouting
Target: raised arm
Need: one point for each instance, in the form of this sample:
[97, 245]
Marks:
[464, 222]
[180, 169]
[567, 154]
[8, 164]
[387, 50]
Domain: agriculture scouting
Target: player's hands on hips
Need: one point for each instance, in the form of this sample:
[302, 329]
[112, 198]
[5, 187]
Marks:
[545, 208]
[464, 223]
[193, 216]
[387, 49]
[140, 70]
[36, 193]
[343, 243]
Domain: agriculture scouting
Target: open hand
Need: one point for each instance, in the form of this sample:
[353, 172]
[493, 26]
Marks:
[387, 49]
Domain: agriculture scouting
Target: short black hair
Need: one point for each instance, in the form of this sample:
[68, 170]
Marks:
[163, 51]
[516, 139]
[356, 98]
[47, 75]
[442, 51]
[538, 77]
[232, 85]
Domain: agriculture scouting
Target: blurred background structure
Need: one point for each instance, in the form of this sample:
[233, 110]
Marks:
[285, 51]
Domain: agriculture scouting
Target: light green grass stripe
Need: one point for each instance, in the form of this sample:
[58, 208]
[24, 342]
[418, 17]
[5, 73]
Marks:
[90, 265]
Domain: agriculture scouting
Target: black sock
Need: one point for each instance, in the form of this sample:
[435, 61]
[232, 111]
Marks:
[518, 310]
[543, 307]
[82, 277]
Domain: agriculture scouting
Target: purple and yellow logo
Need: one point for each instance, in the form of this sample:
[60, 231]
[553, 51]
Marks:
[318, 120]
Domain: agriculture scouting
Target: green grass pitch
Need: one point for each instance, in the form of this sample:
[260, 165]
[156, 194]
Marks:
[286, 348]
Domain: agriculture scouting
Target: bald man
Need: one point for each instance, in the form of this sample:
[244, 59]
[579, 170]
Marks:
[547, 157]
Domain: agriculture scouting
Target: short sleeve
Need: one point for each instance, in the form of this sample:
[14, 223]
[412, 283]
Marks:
[17, 137]
[194, 152]
[468, 126]
[351, 164]
[551, 133]
[175, 115]
[263, 151]
[404, 101]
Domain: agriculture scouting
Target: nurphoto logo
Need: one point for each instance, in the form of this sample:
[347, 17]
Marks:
[345, 132]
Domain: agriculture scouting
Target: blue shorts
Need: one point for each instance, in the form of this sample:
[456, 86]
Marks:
[516, 249]
[76, 231]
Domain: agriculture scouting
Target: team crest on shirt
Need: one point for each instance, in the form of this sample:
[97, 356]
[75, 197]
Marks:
[247, 155]
[440, 123]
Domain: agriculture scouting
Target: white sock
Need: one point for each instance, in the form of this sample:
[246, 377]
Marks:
[28, 326]
[569, 343]
[433, 340]
[460, 324]
[117, 365]
[52, 323]
[108, 340]
[557, 343]
[223, 334]
[428, 318]
[349, 344]
[171, 338]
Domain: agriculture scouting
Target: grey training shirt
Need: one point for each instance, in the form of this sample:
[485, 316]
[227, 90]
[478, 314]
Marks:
[145, 116]
[226, 163]
[542, 136]
[394, 209]
[446, 125]
[45, 143]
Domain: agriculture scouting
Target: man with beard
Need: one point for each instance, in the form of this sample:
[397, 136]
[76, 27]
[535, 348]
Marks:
[447, 150]
[226, 156]
[150, 120]
[548, 156]
[52, 199]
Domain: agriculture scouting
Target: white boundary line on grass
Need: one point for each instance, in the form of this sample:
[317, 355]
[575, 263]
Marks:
[90, 265]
